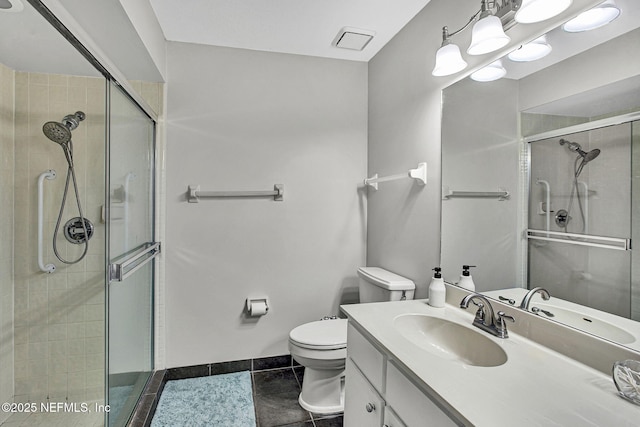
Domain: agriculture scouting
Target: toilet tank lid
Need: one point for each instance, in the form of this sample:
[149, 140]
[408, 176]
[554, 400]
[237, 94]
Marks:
[386, 279]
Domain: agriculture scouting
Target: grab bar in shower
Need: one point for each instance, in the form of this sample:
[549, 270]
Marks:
[547, 197]
[616, 243]
[419, 174]
[49, 174]
[501, 194]
[117, 270]
[194, 193]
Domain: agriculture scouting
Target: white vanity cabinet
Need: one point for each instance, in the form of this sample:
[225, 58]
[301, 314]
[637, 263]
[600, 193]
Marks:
[391, 419]
[378, 394]
[363, 404]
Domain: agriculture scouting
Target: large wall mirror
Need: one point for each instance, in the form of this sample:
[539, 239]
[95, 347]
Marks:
[541, 179]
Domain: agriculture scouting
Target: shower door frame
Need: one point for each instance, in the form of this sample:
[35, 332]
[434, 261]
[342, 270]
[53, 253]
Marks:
[114, 272]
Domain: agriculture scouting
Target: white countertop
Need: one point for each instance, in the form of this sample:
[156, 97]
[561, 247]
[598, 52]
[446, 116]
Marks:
[630, 327]
[535, 387]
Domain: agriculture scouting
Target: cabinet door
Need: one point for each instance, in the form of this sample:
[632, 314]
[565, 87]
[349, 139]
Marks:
[363, 405]
[391, 419]
[411, 403]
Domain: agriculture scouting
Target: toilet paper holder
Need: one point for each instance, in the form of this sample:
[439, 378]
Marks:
[257, 306]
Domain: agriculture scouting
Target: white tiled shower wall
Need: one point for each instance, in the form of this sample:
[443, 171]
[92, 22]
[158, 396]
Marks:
[59, 317]
[7, 83]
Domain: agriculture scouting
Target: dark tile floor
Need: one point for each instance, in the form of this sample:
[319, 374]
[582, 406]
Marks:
[275, 394]
[276, 382]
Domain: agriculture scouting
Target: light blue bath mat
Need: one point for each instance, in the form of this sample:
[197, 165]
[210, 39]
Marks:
[218, 400]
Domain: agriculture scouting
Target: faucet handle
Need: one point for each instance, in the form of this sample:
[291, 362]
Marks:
[509, 300]
[480, 312]
[501, 326]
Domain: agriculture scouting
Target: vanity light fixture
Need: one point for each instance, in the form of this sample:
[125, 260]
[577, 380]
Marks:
[591, 19]
[536, 49]
[491, 72]
[487, 36]
[531, 11]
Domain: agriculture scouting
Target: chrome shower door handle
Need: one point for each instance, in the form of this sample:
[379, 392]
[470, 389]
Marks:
[149, 250]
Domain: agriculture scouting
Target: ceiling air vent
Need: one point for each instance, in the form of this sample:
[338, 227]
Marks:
[11, 6]
[353, 38]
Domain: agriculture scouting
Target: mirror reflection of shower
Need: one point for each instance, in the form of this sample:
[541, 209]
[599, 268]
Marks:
[77, 230]
[563, 217]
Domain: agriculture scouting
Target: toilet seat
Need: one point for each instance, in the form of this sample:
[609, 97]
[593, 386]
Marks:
[321, 335]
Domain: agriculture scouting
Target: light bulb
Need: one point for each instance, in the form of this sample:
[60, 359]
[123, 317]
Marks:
[487, 36]
[540, 10]
[591, 19]
[491, 72]
[448, 60]
[536, 49]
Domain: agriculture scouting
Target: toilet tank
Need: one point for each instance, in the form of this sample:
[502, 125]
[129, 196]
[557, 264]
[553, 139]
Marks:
[378, 284]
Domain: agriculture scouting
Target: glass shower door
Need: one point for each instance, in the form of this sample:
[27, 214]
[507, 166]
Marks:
[132, 248]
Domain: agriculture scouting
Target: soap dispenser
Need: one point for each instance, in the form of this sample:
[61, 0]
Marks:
[466, 281]
[437, 290]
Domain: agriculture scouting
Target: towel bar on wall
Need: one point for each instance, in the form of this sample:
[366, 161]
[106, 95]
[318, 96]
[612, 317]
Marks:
[194, 193]
[419, 174]
[501, 194]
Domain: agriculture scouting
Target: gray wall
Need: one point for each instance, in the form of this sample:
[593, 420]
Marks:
[245, 120]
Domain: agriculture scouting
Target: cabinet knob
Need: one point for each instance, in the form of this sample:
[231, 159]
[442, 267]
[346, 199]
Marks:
[370, 407]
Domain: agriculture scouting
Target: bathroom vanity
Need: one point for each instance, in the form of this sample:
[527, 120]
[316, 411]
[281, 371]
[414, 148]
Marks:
[410, 364]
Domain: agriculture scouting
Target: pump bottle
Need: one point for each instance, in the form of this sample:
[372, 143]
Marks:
[466, 281]
[437, 290]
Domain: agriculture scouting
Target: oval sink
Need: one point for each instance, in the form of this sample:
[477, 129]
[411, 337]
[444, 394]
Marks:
[587, 324]
[450, 340]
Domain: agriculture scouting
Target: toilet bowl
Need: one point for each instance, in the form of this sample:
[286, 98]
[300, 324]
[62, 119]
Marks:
[321, 347]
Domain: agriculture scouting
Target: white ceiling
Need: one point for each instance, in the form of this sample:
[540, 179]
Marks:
[303, 27]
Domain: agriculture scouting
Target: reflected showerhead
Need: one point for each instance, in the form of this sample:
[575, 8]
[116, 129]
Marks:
[576, 148]
[587, 157]
[60, 132]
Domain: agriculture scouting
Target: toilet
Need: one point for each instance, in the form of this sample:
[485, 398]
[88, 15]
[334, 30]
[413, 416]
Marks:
[321, 346]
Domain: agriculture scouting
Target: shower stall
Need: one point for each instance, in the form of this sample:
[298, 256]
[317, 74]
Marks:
[583, 215]
[77, 231]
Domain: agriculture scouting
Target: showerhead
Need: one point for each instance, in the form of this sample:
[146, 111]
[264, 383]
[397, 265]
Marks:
[60, 132]
[57, 132]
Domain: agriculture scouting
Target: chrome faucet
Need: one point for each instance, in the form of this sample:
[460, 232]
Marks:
[485, 318]
[527, 298]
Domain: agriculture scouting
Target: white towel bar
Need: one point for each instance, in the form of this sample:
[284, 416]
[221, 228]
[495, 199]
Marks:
[194, 193]
[419, 174]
